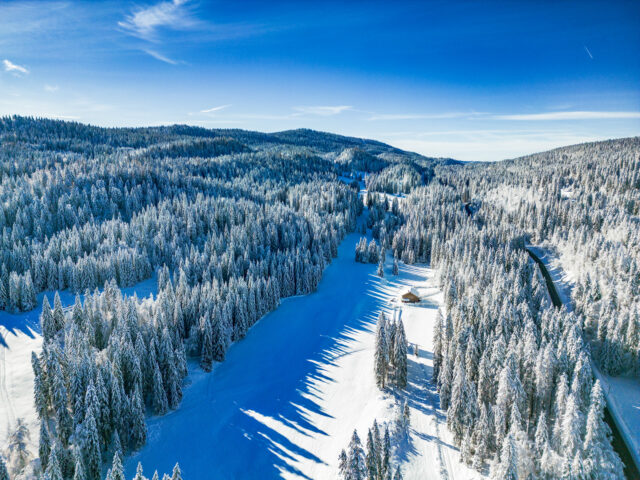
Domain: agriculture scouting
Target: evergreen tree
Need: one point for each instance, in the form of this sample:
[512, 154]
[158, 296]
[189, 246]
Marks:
[78, 470]
[386, 452]
[44, 447]
[506, 468]
[117, 472]
[138, 433]
[139, 475]
[54, 471]
[600, 462]
[91, 448]
[343, 465]
[206, 357]
[400, 356]
[371, 457]
[58, 314]
[160, 404]
[4, 474]
[176, 475]
[47, 325]
[40, 388]
[356, 459]
[381, 352]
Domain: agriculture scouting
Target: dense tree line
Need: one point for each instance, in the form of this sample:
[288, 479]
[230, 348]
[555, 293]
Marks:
[73, 221]
[396, 179]
[583, 202]
[541, 416]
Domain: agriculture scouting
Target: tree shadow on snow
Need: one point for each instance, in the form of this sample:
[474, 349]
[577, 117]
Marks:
[258, 405]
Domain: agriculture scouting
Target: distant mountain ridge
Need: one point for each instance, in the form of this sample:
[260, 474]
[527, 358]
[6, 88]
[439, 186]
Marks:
[52, 134]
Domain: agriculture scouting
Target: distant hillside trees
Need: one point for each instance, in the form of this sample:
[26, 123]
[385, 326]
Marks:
[400, 178]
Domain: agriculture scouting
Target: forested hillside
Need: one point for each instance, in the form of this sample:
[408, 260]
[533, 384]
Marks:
[514, 374]
[231, 221]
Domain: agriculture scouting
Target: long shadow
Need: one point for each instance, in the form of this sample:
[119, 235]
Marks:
[230, 422]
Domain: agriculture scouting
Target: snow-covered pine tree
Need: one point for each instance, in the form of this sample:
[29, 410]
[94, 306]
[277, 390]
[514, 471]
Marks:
[599, 462]
[139, 473]
[54, 471]
[381, 357]
[343, 465]
[44, 446]
[78, 469]
[400, 356]
[206, 357]
[91, 447]
[47, 325]
[371, 457]
[357, 468]
[117, 472]
[58, 314]
[176, 474]
[4, 474]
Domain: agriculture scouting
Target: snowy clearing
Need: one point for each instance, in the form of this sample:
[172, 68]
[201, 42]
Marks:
[288, 397]
[19, 336]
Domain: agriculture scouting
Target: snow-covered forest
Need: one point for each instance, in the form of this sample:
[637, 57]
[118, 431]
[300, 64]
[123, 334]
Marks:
[230, 222]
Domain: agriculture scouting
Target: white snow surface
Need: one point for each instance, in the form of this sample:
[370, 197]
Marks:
[288, 396]
[19, 336]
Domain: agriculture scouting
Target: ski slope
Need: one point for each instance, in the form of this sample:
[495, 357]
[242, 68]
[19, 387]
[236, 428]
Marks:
[288, 397]
[19, 336]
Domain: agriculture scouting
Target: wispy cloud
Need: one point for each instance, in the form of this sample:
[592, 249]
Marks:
[159, 56]
[574, 115]
[491, 146]
[144, 22]
[422, 116]
[588, 52]
[13, 68]
[324, 111]
[215, 109]
[50, 88]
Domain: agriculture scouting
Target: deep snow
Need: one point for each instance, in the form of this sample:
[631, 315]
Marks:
[288, 397]
[20, 335]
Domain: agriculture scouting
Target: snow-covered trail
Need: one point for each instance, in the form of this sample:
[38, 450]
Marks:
[19, 336]
[288, 397]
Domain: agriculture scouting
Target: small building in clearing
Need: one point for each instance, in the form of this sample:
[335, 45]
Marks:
[411, 296]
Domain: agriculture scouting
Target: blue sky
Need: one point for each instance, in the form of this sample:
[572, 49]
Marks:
[470, 80]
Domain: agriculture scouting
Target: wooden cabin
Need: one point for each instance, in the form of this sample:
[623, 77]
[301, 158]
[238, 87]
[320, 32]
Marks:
[410, 297]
